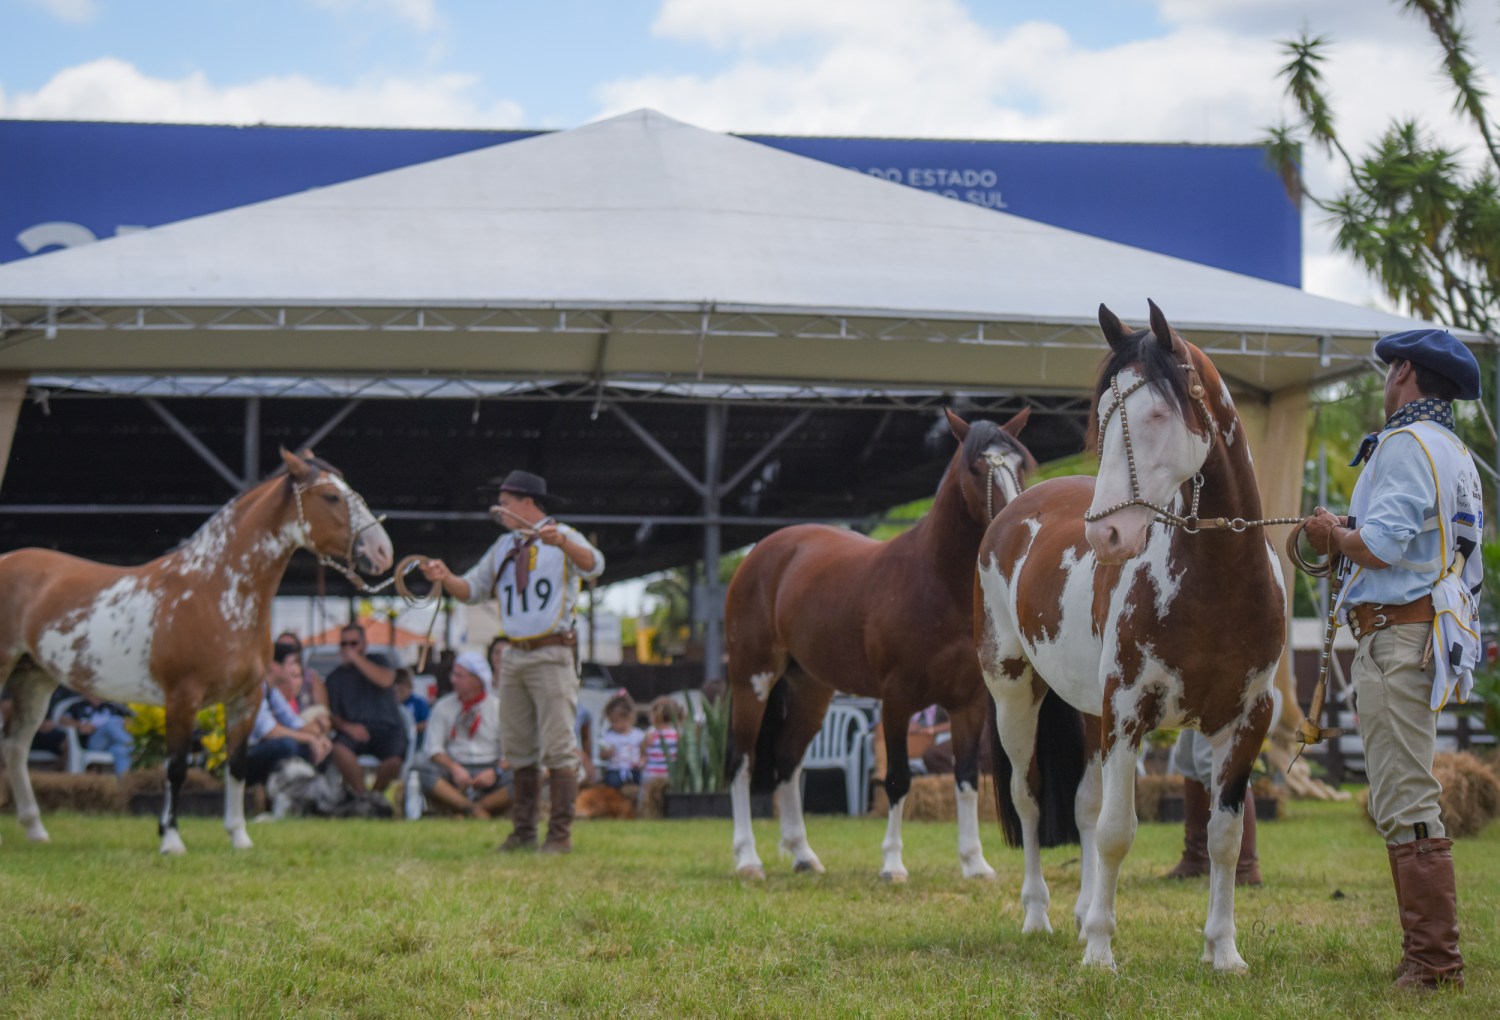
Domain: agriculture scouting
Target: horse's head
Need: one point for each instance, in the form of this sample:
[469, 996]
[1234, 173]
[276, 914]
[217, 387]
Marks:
[990, 463]
[1153, 430]
[335, 519]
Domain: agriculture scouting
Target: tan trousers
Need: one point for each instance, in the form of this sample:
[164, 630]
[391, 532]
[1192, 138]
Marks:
[539, 708]
[1392, 690]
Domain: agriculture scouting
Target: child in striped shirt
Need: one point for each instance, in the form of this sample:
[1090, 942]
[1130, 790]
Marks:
[661, 740]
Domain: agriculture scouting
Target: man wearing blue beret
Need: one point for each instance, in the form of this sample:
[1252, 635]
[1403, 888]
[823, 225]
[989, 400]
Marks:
[1411, 576]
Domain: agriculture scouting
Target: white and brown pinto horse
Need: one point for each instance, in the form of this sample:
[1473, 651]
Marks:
[187, 630]
[1086, 589]
[813, 610]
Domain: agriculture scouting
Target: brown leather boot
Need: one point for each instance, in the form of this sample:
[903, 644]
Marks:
[564, 788]
[1195, 811]
[1400, 912]
[1247, 870]
[526, 785]
[1428, 895]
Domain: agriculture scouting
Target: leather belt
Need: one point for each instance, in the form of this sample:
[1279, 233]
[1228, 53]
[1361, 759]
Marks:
[567, 637]
[1368, 617]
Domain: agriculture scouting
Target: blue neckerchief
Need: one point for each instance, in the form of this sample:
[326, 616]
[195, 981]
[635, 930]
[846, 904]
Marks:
[1433, 409]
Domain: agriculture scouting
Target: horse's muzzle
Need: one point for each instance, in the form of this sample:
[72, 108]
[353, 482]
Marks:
[1120, 536]
[373, 555]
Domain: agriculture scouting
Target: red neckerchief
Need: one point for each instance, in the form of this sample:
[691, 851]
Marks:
[520, 552]
[464, 708]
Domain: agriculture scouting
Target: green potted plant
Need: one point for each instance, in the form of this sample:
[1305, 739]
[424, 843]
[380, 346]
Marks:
[697, 786]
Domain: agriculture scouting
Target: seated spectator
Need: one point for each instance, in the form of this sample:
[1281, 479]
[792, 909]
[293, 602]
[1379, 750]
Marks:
[463, 770]
[413, 702]
[313, 690]
[286, 675]
[620, 745]
[101, 727]
[280, 733]
[660, 746]
[366, 716]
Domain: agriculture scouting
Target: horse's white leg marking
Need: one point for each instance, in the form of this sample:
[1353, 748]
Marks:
[1115, 834]
[31, 694]
[1015, 721]
[892, 869]
[234, 812]
[970, 850]
[746, 860]
[761, 684]
[171, 840]
[1086, 812]
[1224, 832]
[794, 826]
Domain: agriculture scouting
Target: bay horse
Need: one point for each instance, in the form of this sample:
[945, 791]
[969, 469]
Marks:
[192, 628]
[1129, 597]
[813, 610]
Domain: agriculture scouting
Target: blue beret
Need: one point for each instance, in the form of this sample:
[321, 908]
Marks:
[1438, 351]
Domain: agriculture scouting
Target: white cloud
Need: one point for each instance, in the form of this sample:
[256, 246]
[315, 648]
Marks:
[886, 67]
[421, 14]
[75, 12]
[111, 89]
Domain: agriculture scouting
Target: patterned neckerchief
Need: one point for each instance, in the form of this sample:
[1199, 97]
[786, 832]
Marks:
[1433, 409]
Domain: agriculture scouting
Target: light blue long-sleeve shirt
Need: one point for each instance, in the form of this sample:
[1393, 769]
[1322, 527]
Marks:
[1403, 496]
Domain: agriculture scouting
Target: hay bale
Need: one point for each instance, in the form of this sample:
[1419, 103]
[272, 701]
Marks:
[653, 799]
[1470, 798]
[93, 793]
[1151, 790]
[935, 799]
[154, 780]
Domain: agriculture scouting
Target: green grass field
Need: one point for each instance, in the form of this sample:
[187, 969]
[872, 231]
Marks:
[395, 919]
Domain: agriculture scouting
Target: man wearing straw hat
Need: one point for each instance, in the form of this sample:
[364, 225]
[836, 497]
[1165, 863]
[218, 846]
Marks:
[535, 573]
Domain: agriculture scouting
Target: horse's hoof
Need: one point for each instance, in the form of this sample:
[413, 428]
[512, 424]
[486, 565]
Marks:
[815, 866]
[1104, 960]
[894, 877]
[241, 841]
[171, 844]
[1037, 926]
[754, 872]
[986, 874]
[37, 834]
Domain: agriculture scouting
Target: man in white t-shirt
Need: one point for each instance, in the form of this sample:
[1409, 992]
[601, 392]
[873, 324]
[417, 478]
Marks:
[535, 573]
[462, 768]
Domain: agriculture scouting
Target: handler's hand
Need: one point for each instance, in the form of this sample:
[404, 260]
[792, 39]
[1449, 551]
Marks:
[1319, 529]
[549, 534]
[436, 571]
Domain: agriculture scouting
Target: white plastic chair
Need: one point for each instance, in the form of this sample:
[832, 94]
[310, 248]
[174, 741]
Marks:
[841, 744]
[79, 758]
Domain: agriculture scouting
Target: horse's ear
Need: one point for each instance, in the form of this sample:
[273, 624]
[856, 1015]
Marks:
[299, 469]
[956, 425]
[1016, 424]
[1159, 327]
[1114, 330]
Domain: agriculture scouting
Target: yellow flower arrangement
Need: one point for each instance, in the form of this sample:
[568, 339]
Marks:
[148, 725]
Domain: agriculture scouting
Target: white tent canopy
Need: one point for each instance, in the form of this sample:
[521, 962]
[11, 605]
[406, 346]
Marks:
[641, 248]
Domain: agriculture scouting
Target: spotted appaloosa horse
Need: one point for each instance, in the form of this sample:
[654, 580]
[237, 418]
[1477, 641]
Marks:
[187, 630]
[813, 610]
[1139, 623]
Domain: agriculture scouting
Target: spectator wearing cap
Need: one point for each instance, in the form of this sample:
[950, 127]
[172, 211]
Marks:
[535, 573]
[1411, 564]
[463, 769]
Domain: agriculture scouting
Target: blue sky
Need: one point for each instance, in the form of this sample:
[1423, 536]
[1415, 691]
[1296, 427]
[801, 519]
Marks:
[546, 58]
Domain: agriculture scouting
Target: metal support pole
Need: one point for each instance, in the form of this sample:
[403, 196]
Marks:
[713, 611]
[252, 441]
[183, 433]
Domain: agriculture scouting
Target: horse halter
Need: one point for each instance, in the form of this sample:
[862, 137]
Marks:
[350, 496]
[1190, 523]
[997, 463]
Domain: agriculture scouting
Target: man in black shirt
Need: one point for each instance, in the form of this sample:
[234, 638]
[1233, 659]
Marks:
[366, 717]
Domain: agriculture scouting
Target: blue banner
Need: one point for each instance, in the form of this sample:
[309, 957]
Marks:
[66, 182]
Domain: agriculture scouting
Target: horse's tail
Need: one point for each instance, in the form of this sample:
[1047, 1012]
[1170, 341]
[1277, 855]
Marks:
[1059, 761]
[763, 777]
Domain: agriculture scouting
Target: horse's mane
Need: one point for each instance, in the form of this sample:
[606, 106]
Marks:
[1158, 366]
[307, 457]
